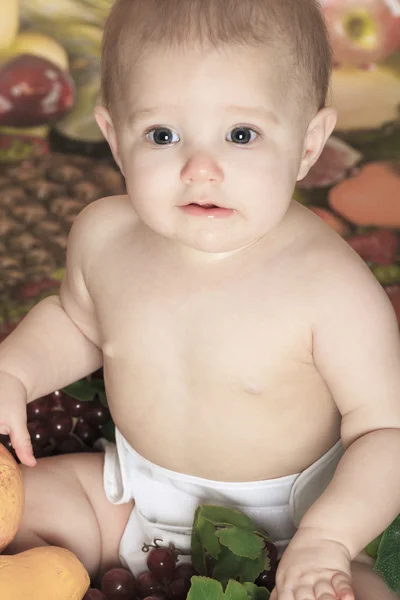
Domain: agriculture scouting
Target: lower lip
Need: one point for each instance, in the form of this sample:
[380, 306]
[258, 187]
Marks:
[202, 211]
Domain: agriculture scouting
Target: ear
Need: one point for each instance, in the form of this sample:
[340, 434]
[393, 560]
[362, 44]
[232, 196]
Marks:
[317, 134]
[106, 125]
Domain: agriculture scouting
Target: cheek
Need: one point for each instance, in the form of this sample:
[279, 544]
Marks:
[151, 176]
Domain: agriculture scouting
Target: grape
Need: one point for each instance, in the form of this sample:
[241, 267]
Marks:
[93, 594]
[161, 563]
[5, 440]
[118, 584]
[74, 407]
[148, 585]
[272, 552]
[61, 426]
[69, 445]
[86, 432]
[184, 571]
[55, 400]
[42, 451]
[97, 414]
[99, 374]
[38, 409]
[38, 451]
[178, 589]
[39, 432]
[267, 578]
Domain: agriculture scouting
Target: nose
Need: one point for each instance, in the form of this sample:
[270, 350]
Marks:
[202, 168]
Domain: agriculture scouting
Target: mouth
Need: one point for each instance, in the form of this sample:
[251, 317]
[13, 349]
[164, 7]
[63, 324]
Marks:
[206, 209]
[203, 205]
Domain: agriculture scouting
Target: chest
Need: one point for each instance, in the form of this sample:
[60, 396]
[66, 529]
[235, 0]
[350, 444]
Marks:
[181, 322]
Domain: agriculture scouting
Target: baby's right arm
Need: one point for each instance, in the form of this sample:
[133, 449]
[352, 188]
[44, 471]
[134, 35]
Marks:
[57, 343]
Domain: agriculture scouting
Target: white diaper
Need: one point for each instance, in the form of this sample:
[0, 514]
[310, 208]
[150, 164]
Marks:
[165, 501]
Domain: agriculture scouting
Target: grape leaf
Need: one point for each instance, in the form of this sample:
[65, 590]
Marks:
[240, 542]
[108, 431]
[204, 588]
[198, 554]
[251, 569]
[103, 398]
[206, 534]
[223, 515]
[388, 559]
[81, 390]
[235, 591]
[255, 592]
[373, 547]
[229, 566]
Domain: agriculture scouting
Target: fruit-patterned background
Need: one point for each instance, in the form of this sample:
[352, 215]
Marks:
[53, 162]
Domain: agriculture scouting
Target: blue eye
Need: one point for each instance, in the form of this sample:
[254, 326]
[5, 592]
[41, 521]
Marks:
[242, 135]
[163, 136]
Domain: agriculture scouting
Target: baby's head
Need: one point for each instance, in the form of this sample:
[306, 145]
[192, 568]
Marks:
[218, 102]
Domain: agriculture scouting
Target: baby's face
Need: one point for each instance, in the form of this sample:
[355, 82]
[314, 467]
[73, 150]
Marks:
[214, 128]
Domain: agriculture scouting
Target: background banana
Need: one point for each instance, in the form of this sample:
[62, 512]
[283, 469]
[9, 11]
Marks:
[9, 22]
[78, 26]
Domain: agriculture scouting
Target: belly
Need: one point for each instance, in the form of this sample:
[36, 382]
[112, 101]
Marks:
[219, 430]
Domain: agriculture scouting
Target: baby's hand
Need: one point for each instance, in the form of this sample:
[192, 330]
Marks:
[313, 568]
[13, 418]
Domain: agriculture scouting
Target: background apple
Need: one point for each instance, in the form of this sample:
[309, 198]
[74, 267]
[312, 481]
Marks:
[33, 91]
[362, 31]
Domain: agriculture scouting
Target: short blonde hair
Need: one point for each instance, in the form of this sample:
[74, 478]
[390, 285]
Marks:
[294, 29]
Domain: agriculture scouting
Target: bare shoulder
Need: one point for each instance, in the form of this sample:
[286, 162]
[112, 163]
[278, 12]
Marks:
[331, 267]
[99, 222]
[105, 216]
[93, 230]
[355, 334]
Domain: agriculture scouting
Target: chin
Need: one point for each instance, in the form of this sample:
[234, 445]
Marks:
[214, 243]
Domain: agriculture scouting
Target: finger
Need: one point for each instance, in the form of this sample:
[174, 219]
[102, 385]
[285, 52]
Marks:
[324, 589]
[304, 592]
[4, 428]
[285, 593]
[21, 442]
[341, 583]
[282, 594]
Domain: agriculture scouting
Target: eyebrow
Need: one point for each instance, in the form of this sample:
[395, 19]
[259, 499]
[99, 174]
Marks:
[257, 111]
[140, 113]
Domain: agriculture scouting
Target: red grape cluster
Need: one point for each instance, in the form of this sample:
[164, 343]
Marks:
[164, 580]
[267, 578]
[59, 424]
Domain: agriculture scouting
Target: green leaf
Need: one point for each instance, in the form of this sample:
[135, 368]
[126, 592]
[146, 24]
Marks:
[97, 385]
[81, 390]
[204, 588]
[251, 569]
[103, 398]
[373, 547]
[255, 592]
[224, 515]
[240, 542]
[388, 559]
[227, 566]
[198, 555]
[235, 591]
[205, 531]
[108, 431]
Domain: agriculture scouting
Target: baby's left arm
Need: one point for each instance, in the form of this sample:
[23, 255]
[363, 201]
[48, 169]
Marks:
[356, 346]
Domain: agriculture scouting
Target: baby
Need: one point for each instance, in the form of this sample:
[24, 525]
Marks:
[250, 358]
